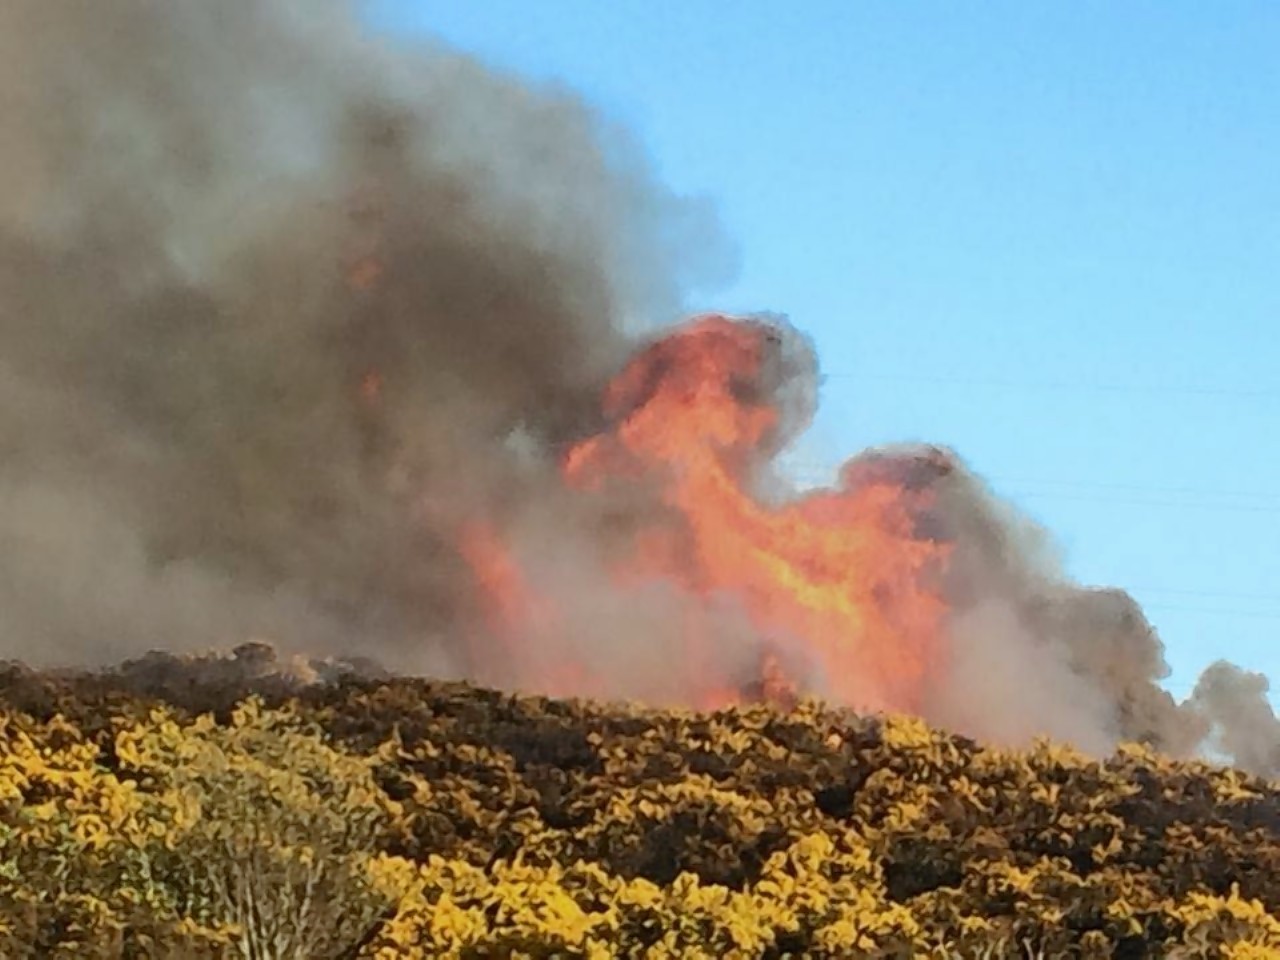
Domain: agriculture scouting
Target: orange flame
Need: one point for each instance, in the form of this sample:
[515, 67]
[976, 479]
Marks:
[370, 387]
[839, 584]
[364, 274]
[516, 613]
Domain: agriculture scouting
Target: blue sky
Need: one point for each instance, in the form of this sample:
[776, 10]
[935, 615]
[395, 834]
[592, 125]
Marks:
[1047, 235]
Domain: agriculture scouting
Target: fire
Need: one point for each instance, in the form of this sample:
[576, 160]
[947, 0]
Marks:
[370, 387]
[839, 585]
[365, 274]
[515, 612]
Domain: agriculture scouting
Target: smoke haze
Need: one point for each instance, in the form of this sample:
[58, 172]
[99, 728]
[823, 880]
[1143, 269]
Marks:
[283, 305]
[264, 280]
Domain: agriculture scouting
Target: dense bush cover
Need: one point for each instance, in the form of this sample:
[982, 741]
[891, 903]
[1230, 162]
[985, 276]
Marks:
[403, 818]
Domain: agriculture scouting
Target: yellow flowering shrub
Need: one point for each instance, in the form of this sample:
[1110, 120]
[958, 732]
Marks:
[372, 820]
[198, 836]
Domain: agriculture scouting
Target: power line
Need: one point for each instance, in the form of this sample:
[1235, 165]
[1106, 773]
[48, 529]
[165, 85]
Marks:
[1136, 488]
[1181, 497]
[1125, 501]
[1204, 611]
[1265, 503]
[1209, 595]
[1063, 385]
[813, 468]
[1253, 597]
[1145, 502]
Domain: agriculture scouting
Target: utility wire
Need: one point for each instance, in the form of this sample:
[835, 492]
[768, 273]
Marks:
[1063, 385]
[1255, 597]
[1228, 614]
[1258, 502]
[1075, 490]
[1145, 502]
[811, 469]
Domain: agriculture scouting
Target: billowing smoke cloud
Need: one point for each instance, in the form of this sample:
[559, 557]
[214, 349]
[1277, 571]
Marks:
[1032, 653]
[280, 301]
[1242, 725]
[284, 306]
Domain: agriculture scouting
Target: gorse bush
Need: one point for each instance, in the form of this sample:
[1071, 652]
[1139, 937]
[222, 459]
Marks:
[250, 838]
[410, 819]
[282, 832]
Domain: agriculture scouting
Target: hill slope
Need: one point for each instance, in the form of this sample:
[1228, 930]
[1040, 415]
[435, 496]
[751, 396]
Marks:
[202, 811]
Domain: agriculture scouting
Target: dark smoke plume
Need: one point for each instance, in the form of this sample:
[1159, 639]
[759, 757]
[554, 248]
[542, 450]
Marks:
[278, 302]
[1034, 654]
[282, 303]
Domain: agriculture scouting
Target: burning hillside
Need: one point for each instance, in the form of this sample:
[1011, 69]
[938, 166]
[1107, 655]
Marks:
[838, 592]
[374, 819]
[310, 337]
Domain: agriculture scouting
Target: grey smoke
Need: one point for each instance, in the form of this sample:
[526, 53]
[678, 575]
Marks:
[282, 302]
[1036, 654]
[216, 222]
[1241, 723]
